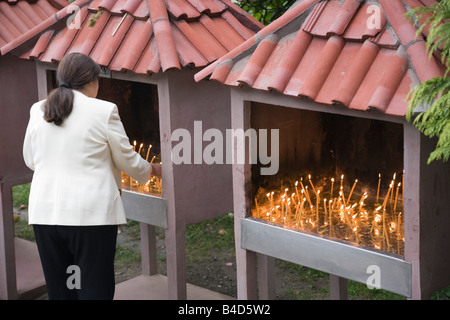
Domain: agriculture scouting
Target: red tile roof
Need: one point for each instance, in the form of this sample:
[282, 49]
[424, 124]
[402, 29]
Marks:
[20, 16]
[141, 36]
[333, 52]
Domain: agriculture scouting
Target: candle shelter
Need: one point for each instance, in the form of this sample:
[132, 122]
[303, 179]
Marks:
[353, 194]
[149, 52]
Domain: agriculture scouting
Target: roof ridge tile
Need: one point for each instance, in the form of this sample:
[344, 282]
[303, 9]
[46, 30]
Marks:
[314, 16]
[163, 34]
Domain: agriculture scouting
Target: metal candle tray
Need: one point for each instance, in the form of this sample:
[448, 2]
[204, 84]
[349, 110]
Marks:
[334, 257]
[145, 208]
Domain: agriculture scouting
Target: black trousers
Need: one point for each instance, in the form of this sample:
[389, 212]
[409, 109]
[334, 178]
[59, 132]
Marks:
[78, 261]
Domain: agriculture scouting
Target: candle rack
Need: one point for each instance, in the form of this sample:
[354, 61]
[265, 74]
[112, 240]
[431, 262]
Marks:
[336, 211]
[154, 184]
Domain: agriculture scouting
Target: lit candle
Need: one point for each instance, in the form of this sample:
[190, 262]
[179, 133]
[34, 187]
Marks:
[351, 192]
[140, 148]
[293, 198]
[296, 191]
[153, 159]
[301, 183]
[148, 152]
[396, 196]
[330, 213]
[300, 218]
[288, 210]
[387, 195]
[317, 207]
[403, 188]
[341, 193]
[342, 180]
[271, 199]
[361, 201]
[134, 145]
[268, 197]
[379, 182]
[307, 196]
[398, 233]
[393, 183]
[331, 192]
[385, 230]
[312, 185]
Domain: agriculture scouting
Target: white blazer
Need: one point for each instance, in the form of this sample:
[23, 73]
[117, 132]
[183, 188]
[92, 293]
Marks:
[77, 165]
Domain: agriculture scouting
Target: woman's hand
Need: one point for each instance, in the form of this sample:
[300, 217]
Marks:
[156, 170]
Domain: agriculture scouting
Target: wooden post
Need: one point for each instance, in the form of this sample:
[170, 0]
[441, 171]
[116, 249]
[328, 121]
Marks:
[148, 249]
[266, 277]
[8, 283]
[245, 260]
[338, 288]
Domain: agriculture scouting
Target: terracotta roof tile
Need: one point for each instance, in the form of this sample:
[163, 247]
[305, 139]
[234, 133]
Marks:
[141, 36]
[182, 9]
[258, 60]
[291, 59]
[356, 71]
[20, 16]
[362, 54]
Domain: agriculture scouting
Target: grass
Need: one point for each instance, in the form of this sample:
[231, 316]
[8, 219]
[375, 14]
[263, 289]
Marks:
[20, 194]
[203, 237]
[218, 235]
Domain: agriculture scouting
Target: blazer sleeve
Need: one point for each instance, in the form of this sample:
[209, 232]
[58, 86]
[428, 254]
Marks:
[27, 150]
[123, 155]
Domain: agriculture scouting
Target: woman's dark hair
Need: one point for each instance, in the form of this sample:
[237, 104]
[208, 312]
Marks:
[75, 70]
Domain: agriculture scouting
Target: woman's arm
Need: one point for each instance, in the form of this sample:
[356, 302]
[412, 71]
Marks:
[123, 155]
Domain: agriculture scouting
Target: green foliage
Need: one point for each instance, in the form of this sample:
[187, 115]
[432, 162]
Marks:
[435, 121]
[436, 17]
[93, 20]
[434, 94]
[265, 10]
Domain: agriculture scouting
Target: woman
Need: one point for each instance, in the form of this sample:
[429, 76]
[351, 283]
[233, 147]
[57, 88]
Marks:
[77, 147]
